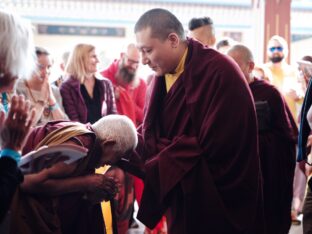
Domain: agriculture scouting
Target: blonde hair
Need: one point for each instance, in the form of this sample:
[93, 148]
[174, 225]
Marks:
[118, 128]
[76, 65]
[17, 50]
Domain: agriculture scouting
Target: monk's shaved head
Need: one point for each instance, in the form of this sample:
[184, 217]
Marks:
[243, 51]
[161, 22]
[244, 58]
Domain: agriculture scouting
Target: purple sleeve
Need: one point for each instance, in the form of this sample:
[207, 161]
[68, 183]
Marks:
[69, 102]
[111, 109]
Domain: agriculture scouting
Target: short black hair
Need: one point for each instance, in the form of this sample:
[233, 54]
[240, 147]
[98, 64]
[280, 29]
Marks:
[307, 58]
[41, 51]
[162, 22]
[223, 42]
[199, 22]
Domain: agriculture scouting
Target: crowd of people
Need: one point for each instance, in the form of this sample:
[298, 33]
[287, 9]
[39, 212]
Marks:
[206, 144]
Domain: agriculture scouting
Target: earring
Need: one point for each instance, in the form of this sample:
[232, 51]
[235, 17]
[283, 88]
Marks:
[1, 75]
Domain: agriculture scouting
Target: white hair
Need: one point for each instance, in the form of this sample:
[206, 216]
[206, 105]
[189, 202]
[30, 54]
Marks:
[119, 128]
[16, 45]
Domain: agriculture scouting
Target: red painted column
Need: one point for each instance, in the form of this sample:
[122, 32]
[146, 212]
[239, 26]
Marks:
[277, 21]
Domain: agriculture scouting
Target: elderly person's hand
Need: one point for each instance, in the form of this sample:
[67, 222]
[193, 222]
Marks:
[102, 188]
[15, 128]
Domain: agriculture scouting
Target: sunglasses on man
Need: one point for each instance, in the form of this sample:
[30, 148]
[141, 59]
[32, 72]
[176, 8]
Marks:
[276, 48]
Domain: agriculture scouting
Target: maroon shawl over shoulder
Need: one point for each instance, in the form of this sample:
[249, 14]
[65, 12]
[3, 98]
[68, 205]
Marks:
[200, 146]
[277, 149]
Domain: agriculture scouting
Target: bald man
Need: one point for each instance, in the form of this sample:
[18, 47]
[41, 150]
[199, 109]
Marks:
[202, 30]
[129, 89]
[277, 140]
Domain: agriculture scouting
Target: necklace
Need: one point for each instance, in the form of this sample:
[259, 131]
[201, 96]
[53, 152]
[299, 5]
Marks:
[5, 100]
[41, 102]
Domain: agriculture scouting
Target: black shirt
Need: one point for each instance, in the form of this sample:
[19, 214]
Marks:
[93, 104]
[10, 178]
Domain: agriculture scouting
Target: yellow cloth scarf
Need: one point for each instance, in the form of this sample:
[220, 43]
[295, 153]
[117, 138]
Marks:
[63, 134]
[172, 78]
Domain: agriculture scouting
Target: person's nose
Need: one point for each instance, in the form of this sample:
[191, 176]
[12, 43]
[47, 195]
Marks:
[134, 66]
[45, 72]
[145, 60]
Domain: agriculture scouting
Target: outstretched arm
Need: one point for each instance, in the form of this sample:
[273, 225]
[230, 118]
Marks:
[56, 181]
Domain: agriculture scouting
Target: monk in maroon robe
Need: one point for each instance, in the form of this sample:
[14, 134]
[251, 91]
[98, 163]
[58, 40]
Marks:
[199, 136]
[277, 144]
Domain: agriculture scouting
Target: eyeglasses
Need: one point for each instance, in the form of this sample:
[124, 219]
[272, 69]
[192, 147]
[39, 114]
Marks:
[277, 48]
[132, 61]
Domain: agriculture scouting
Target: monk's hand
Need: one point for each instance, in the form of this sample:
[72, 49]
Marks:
[16, 126]
[111, 185]
[101, 187]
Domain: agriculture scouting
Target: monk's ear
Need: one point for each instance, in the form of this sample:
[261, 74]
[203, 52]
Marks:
[251, 66]
[174, 40]
[212, 41]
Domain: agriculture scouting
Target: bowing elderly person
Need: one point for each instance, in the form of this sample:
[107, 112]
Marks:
[200, 171]
[66, 198]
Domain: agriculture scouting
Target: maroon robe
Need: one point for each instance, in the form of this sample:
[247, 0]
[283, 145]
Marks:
[277, 149]
[199, 143]
[63, 214]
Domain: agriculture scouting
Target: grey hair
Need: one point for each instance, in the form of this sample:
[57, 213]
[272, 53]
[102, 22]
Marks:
[16, 45]
[119, 128]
